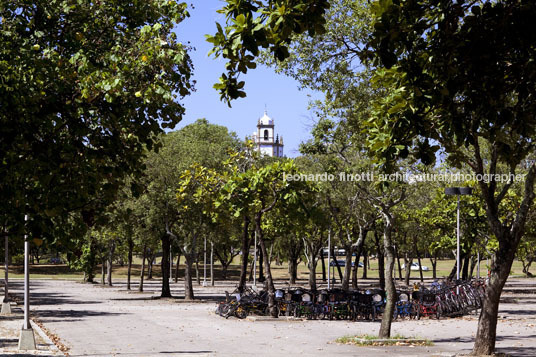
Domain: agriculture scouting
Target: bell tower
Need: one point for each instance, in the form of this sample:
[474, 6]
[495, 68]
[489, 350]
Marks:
[265, 139]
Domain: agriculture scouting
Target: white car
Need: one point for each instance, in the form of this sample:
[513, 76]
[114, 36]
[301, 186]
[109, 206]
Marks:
[415, 266]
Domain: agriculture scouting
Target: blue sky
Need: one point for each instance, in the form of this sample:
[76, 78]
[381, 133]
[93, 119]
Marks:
[284, 102]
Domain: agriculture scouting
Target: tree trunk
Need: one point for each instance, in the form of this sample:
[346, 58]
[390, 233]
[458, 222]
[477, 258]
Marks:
[312, 270]
[508, 238]
[188, 288]
[177, 266]
[165, 266]
[323, 265]
[211, 264]
[295, 250]
[89, 274]
[487, 324]
[6, 269]
[224, 268]
[465, 270]
[140, 288]
[347, 267]
[197, 276]
[251, 266]
[418, 259]
[334, 259]
[110, 263]
[472, 267]
[387, 317]
[269, 282]
[103, 270]
[434, 266]
[261, 265]
[245, 255]
[355, 268]
[452, 275]
[526, 267]
[129, 268]
[150, 262]
[365, 264]
[381, 261]
[293, 270]
[398, 263]
[407, 271]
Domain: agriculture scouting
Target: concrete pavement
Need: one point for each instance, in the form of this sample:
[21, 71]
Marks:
[100, 321]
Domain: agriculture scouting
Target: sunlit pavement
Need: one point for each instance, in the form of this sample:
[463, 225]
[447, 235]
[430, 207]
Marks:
[102, 321]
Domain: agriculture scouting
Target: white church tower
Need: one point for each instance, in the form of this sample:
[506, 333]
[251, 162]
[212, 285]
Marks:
[265, 140]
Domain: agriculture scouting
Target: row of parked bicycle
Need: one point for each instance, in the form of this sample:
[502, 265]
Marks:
[447, 300]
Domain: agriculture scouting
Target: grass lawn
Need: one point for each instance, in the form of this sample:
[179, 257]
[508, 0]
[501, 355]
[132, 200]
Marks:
[395, 340]
[62, 271]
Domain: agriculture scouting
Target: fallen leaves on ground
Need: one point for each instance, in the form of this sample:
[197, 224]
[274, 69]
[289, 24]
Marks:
[53, 337]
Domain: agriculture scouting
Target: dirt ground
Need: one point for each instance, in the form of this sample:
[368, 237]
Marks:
[109, 321]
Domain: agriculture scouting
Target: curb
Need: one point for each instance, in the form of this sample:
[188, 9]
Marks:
[405, 340]
[192, 302]
[44, 336]
[273, 319]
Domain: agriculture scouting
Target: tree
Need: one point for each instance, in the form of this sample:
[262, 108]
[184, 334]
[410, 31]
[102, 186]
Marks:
[526, 252]
[462, 77]
[451, 75]
[236, 198]
[226, 240]
[207, 145]
[257, 191]
[85, 87]
[252, 25]
[284, 226]
[385, 200]
[311, 212]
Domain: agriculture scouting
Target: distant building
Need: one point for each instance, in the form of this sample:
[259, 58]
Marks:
[265, 140]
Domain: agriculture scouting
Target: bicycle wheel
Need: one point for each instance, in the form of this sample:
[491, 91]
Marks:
[297, 312]
[438, 311]
[413, 312]
[288, 310]
[224, 310]
[241, 312]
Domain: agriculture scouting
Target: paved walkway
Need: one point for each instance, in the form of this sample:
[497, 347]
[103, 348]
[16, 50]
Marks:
[10, 326]
[98, 321]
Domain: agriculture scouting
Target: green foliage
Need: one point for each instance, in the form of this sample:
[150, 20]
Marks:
[252, 25]
[84, 88]
[456, 73]
[199, 146]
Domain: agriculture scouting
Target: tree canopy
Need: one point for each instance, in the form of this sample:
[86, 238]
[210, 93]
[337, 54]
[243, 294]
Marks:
[84, 88]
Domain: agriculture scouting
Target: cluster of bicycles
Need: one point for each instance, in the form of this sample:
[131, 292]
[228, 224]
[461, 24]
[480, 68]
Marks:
[447, 300]
[242, 304]
[325, 304]
[453, 299]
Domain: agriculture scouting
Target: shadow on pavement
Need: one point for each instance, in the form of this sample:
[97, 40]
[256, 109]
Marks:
[516, 351]
[70, 315]
[43, 299]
